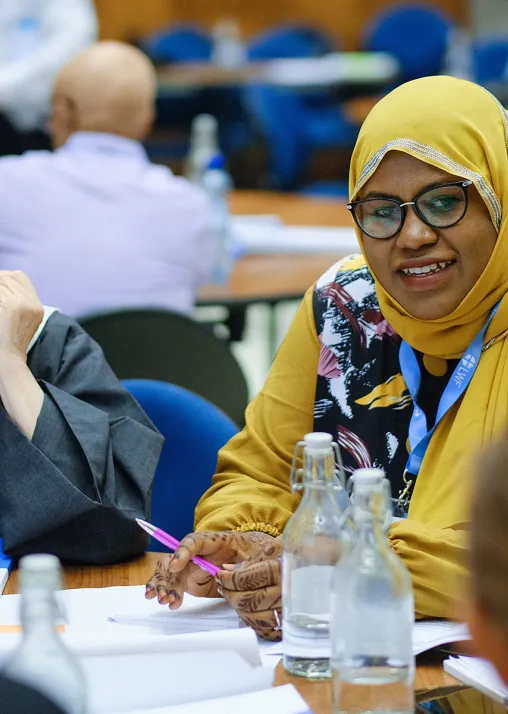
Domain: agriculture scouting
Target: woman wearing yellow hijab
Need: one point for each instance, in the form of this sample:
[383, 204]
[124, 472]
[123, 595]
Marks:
[379, 353]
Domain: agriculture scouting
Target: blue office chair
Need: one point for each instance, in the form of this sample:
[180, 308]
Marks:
[194, 430]
[294, 125]
[490, 59]
[288, 41]
[416, 35]
[178, 43]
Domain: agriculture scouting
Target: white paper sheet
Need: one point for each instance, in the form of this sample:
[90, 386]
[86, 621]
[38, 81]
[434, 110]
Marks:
[432, 633]
[154, 628]
[264, 234]
[282, 700]
[480, 674]
[426, 635]
[126, 683]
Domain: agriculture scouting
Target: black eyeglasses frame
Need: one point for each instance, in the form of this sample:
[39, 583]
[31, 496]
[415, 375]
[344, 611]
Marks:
[464, 184]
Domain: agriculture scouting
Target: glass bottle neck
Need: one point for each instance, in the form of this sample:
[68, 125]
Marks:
[319, 470]
[370, 530]
[39, 613]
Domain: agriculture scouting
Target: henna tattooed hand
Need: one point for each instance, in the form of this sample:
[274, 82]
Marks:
[177, 574]
[253, 588]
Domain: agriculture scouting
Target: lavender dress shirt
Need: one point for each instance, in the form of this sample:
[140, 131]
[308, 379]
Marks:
[96, 226]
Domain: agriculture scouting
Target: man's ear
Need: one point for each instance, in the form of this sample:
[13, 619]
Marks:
[64, 120]
[489, 640]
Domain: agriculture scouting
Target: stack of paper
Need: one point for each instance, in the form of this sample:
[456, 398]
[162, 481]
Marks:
[266, 234]
[480, 674]
[146, 656]
[426, 635]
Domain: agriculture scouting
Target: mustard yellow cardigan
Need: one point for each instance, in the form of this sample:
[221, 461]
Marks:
[251, 491]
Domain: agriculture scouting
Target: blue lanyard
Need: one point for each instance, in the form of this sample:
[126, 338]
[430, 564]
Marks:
[419, 435]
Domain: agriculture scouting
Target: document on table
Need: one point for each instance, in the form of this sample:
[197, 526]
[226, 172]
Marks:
[426, 635]
[119, 620]
[154, 660]
[283, 700]
[127, 683]
[267, 234]
[479, 674]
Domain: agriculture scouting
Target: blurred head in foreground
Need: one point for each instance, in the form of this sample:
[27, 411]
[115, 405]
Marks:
[110, 87]
[488, 613]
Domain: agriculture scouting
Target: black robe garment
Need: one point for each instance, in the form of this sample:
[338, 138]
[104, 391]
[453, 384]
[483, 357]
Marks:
[75, 489]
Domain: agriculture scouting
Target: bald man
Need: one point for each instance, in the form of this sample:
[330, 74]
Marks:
[94, 224]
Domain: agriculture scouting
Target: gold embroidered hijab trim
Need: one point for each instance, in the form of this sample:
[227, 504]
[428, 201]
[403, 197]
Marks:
[425, 152]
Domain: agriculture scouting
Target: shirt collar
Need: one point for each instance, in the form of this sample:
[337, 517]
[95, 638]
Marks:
[98, 142]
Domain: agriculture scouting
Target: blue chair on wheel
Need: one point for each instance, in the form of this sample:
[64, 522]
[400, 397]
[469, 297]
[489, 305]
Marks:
[194, 430]
[416, 35]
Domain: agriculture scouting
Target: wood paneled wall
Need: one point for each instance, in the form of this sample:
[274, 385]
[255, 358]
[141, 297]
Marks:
[344, 19]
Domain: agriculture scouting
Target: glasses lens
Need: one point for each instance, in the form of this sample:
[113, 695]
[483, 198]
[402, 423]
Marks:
[443, 206]
[378, 217]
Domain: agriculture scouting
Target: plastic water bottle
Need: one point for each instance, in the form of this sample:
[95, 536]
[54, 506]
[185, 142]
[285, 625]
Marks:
[204, 145]
[312, 544]
[217, 184]
[228, 50]
[373, 614]
[42, 660]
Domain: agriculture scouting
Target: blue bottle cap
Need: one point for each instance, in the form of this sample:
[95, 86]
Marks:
[217, 162]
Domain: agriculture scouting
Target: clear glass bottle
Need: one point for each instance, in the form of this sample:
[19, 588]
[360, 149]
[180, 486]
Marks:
[372, 613]
[312, 544]
[42, 660]
[203, 146]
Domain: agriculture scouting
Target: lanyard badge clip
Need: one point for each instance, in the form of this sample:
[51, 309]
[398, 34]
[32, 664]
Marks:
[402, 503]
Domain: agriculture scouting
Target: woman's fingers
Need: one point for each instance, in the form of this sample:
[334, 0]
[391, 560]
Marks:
[249, 576]
[200, 543]
[266, 624]
[169, 587]
[160, 579]
[254, 600]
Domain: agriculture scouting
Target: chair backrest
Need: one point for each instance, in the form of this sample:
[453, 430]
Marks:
[286, 41]
[276, 115]
[194, 430]
[293, 125]
[490, 59]
[179, 43]
[159, 344]
[416, 35]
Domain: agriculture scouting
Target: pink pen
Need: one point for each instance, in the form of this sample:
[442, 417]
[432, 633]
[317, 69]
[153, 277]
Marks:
[173, 544]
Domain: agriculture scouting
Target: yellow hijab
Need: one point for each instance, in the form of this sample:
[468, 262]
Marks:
[459, 127]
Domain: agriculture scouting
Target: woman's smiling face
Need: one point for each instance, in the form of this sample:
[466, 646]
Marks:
[464, 248]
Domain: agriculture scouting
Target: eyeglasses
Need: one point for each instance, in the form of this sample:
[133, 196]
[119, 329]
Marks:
[440, 207]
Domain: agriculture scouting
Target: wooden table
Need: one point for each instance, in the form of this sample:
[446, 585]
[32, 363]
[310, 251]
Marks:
[272, 278]
[431, 680]
[338, 69]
